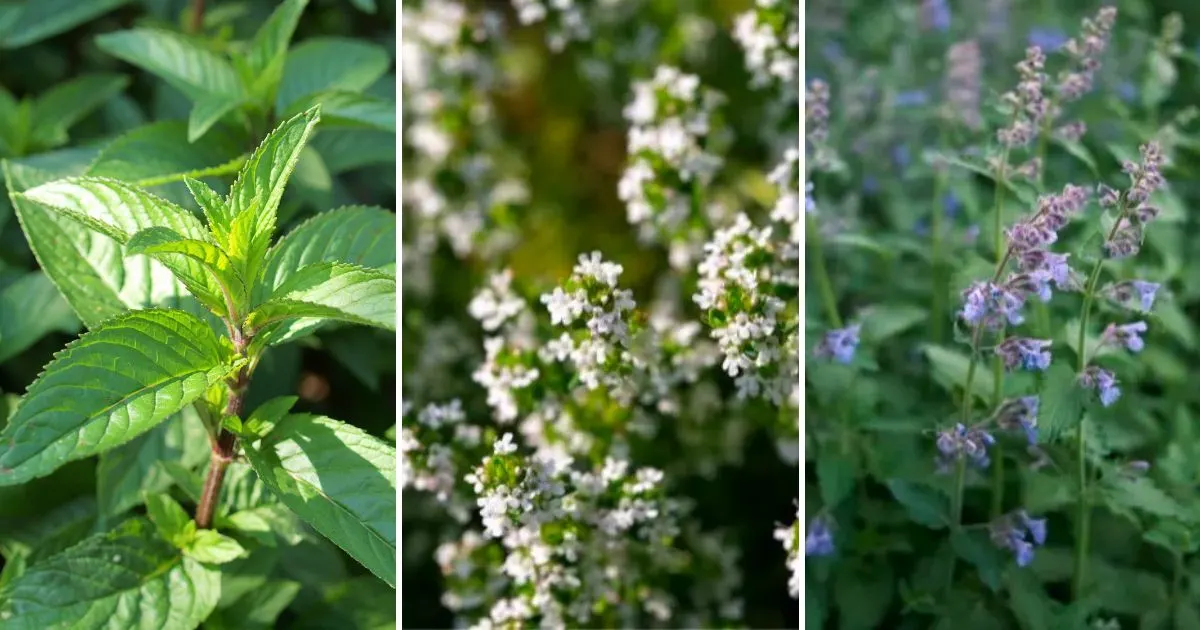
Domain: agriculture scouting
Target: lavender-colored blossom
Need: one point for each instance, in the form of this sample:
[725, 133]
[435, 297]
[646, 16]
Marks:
[1020, 415]
[1139, 291]
[1128, 335]
[1019, 533]
[1103, 381]
[810, 204]
[1026, 353]
[819, 539]
[960, 442]
[839, 344]
[992, 305]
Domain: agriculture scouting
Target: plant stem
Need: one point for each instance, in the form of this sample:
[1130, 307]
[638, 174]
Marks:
[822, 275]
[956, 510]
[1083, 510]
[1176, 584]
[196, 23]
[225, 447]
[998, 460]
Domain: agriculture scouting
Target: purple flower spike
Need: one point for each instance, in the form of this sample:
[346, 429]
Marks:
[1029, 354]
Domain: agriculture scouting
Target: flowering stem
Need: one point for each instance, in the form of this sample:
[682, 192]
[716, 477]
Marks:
[822, 276]
[1083, 514]
[997, 210]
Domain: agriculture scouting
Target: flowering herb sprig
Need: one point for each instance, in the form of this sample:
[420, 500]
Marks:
[769, 34]
[1124, 239]
[673, 119]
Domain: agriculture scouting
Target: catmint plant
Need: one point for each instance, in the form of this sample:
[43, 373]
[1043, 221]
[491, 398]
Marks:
[241, 292]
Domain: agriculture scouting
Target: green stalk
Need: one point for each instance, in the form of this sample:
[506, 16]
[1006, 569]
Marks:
[822, 275]
[956, 510]
[1083, 509]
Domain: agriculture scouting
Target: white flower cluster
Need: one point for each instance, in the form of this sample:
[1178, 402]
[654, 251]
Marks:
[786, 213]
[770, 36]
[737, 280]
[597, 349]
[452, 184]
[597, 535]
[565, 19]
[431, 452]
[671, 117]
[789, 535]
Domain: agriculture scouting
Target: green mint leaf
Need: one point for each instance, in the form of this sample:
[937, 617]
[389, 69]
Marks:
[209, 110]
[132, 580]
[90, 272]
[268, 51]
[340, 480]
[119, 210]
[108, 387]
[266, 524]
[218, 281]
[330, 63]
[114, 208]
[30, 308]
[329, 291]
[210, 547]
[160, 153]
[64, 105]
[255, 195]
[169, 518]
[258, 609]
[346, 149]
[243, 490]
[127, 472]
[183, 62]
[183, 476]
[215, 208]
[49, 532]
[36, 20]
[351, 109]
[359, 235]
[267, 415]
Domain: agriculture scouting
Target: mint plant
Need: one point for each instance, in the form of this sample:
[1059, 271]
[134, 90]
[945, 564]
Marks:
[184, 340]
